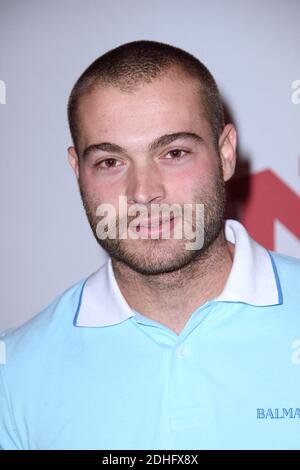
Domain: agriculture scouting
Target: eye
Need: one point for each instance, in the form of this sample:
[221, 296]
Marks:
[176, 154]
[107, 163]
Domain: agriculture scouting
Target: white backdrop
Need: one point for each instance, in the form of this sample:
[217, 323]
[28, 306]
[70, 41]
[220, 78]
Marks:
[252, 48]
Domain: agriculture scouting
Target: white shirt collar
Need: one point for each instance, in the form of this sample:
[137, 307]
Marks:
[252, 280]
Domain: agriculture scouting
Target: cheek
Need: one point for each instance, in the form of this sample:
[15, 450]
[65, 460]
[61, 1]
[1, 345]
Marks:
[190, 180]
[99, 189]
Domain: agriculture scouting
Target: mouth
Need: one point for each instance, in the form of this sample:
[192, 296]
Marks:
[155, 227]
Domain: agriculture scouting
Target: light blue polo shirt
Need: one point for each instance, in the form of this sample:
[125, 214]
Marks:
[88, 372]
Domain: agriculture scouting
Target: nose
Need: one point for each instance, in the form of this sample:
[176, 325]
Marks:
[145, 185]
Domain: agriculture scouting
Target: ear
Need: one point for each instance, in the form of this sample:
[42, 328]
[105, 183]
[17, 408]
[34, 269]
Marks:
[74, 160]
[227, 148]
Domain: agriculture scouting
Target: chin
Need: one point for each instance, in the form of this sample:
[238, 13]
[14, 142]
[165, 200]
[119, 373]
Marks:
[154, 256]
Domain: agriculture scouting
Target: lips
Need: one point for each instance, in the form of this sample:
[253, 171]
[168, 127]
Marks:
[151, 223]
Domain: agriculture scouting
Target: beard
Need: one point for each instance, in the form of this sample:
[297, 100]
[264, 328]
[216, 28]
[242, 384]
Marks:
[161, 256]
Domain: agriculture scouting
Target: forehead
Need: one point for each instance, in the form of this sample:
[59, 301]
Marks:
[163, 106]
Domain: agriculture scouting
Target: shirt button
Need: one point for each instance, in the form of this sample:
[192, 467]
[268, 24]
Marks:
[180, 352]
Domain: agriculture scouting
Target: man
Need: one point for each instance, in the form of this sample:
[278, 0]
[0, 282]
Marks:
[169, 345]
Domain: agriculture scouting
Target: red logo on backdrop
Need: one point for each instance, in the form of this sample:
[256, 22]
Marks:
[258, 200]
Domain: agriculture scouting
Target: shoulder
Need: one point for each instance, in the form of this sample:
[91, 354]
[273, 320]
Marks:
[287, 272]
[286, 265]
[29, 354]
[46, 326]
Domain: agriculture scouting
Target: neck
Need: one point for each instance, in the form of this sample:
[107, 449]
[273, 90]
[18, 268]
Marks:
[171, 298]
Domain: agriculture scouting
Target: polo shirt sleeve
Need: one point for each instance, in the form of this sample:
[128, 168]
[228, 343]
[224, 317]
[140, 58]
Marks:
[8, 431]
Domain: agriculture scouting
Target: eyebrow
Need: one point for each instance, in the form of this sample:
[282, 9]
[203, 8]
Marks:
[155, 145]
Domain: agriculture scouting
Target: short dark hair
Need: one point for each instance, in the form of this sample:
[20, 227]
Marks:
[143, 61]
